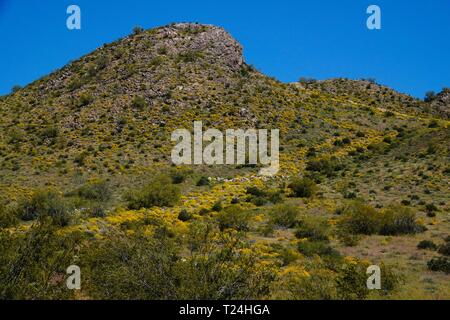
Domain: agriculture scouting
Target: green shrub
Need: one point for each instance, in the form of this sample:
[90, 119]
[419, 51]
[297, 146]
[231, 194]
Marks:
[203, 181]
[85, 99]
[433, 124]
[313, 229]
[233, 218]
[284, 215]
[80, 159]
[439, 264]
[351, 283]
[399, 220]
[8, 218]
[160, 192]
[326, 166]
[427, 245]
[189, 56]
[137, 30]
[303, 188]
[445, 249]
[32, 263]
[178, 177]
[360, 218]
[97, 212]
[184, 215]
[431, 207]
[45, 203]
[217, 207]
[96, 190]
[16, 88]
[49, 132]
[139, 103]
[322, 248]
[261, 197]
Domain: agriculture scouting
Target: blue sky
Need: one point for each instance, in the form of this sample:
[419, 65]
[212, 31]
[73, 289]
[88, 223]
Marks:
[285, 39]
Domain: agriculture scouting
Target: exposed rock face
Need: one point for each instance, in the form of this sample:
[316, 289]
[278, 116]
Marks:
[203, 38]
[442, 102]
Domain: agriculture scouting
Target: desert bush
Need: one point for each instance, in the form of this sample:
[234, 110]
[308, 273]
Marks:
[431, 207]
[427, 245]
[233, 218]
[321, 248]
[189, 56]
[97, 212]
[312, 228]
[444, 249]
[430, 96]
[360, 218]
[439, 264]
[327, 166]
[352, 279]
[351, 282]
[184, 215]
[319, 285]
[49, 132]
[151, 267]
[139, 103]
[399, 220]
[217, 207]
[137, 30]
[261, 197]
[85, 99]
[284, 215]
[32, 264]
[303, 187]
[8, 217]
[45, 203]
[178, 177]
[95, 190]
[160, 192]
[203, 181]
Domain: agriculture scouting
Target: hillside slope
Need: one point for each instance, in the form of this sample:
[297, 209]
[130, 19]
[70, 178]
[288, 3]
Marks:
[109, 116]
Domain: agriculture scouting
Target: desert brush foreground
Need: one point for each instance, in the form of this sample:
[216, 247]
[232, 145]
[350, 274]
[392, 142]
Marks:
[86, 179]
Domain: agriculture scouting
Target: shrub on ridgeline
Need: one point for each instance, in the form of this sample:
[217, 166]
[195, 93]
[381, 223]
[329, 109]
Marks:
[137, 30]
